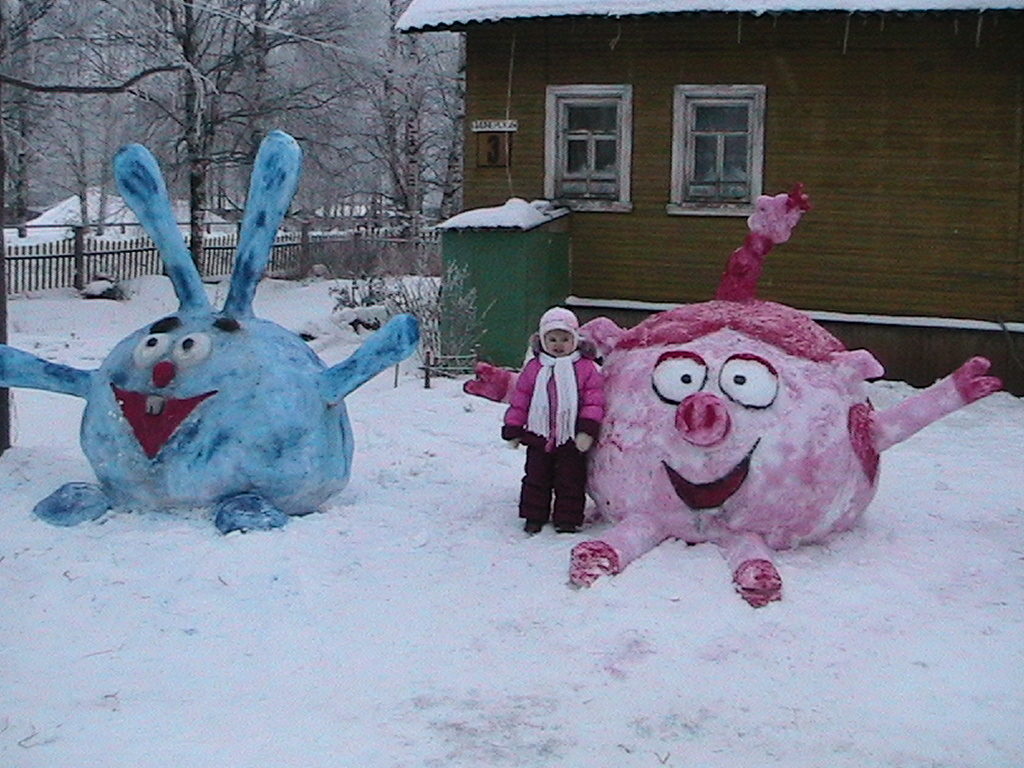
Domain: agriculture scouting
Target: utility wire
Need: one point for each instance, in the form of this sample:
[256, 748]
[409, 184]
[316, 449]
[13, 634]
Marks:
[269, 27]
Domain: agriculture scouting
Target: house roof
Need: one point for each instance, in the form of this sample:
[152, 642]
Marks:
[423, 15]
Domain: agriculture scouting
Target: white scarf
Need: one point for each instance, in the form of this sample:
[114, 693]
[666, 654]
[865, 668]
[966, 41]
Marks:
[566, 396]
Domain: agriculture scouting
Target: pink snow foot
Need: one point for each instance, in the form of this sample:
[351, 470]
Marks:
[971, 381]
[590, 560]
[758, 582]
[491, 383]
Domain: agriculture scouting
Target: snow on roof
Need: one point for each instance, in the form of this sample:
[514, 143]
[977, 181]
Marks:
[514, 214]
[115, 211]
[433, 14]
[54, 222]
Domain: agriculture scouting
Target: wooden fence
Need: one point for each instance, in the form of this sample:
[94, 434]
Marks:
[76, 261]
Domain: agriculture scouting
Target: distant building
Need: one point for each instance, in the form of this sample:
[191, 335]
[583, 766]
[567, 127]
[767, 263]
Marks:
[112, 218]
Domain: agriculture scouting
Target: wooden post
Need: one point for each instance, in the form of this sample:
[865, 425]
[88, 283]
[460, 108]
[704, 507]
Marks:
[5, 394]
[305, 254]
[79, 258]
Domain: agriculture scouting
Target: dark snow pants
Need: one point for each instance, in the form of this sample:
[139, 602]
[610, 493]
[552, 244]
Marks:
[563, 471]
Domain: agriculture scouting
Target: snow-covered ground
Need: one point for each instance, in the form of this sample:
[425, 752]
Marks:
[412, 624]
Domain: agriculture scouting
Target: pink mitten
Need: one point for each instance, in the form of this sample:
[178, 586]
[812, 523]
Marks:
[590, 560]
[491, 382]
[971, 381]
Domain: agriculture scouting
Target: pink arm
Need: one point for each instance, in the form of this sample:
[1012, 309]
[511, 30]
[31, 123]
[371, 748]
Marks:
[492, 383]
[965, 385]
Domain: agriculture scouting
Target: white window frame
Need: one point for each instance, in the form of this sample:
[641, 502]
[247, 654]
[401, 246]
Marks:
[554, 148]
[685, 97]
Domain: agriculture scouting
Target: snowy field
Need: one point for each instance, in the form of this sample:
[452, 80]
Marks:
[412, 624]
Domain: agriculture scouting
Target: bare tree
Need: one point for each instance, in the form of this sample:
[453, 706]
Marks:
[413, 134]
[20, 110]
[236, 81]
[7, 81]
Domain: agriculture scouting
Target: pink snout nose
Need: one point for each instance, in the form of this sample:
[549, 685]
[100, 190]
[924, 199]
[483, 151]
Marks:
[163, 373]
[703, 419]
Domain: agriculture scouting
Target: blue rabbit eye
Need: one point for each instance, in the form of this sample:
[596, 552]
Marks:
[151, 348]
[192, 349]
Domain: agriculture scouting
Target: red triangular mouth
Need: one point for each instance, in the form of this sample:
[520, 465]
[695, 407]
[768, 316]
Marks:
[713, 494]
[154, 429]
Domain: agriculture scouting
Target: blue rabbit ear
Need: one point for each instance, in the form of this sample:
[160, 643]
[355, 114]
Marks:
[274, 179]
[142, 186]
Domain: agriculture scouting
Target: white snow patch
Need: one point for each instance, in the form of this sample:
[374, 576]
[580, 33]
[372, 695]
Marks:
[412, 625]
[515, 213]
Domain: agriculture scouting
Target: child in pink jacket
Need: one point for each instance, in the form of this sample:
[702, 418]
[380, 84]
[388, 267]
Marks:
[555, 411]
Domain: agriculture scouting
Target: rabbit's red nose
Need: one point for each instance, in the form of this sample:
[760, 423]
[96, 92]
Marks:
[163, 373]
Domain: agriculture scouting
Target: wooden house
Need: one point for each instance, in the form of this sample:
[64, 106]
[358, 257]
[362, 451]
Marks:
[659, 122]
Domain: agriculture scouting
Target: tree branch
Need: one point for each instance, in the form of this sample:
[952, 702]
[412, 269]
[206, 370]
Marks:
[120, 88]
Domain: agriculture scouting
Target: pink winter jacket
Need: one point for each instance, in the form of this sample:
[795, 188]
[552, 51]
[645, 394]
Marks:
[589, 410]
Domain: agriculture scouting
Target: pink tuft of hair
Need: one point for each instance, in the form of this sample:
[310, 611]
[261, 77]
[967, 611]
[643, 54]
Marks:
[771, 223]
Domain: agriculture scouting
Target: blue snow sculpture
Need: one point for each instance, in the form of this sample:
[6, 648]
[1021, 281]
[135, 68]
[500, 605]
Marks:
[206, 408]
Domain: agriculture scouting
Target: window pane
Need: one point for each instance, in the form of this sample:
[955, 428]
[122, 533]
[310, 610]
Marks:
[705, 158]
[735, 158]
[604, 155]
[576, 157]
[734, 191]
[588, 189]
[597, 119]
[603, 189]
[721, 118]
[701, 191]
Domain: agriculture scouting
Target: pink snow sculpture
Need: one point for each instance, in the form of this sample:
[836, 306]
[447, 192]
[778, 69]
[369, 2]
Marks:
[739, 422]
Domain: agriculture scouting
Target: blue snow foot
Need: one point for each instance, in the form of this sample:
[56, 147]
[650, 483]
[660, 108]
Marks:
[247, 512]
[73, 503]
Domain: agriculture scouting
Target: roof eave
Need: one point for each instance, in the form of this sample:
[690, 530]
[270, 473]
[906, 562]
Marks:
[463, 26]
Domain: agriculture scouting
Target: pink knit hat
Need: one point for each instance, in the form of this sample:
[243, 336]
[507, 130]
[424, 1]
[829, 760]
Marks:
[559, 319]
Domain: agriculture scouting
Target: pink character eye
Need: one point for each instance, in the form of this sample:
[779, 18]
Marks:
[749, 381]
[677, 375]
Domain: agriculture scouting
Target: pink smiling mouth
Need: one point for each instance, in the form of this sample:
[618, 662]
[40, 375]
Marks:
[713, 494]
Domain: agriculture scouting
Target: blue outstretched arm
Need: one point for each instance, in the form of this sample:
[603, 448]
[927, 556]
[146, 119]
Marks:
[20, 369]
[142, 186]
[388, 346]
[274, 179]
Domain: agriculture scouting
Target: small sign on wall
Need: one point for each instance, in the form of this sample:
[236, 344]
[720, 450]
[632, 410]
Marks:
[494, 142]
